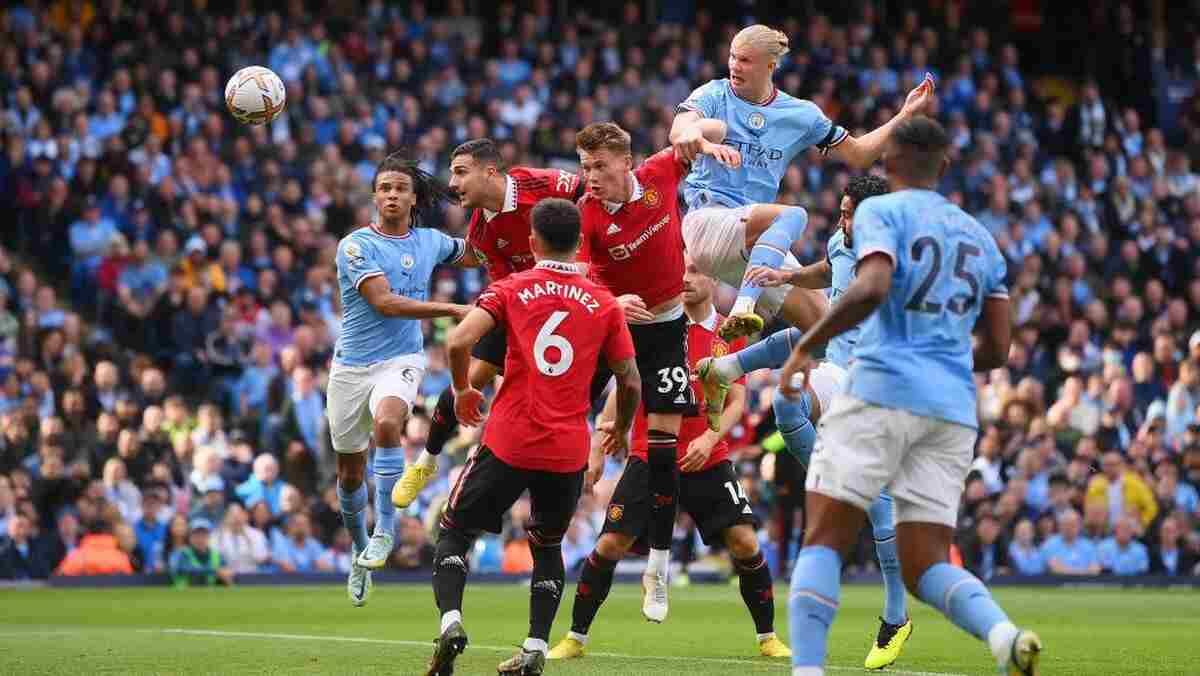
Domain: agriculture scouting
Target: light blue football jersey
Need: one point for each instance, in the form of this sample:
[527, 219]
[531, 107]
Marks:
[367, 336]
[841, 261]
[914, 352]
[767, 135]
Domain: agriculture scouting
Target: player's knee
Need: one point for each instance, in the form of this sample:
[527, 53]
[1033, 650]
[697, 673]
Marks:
[351, 470]
[613, 546]
[389, 429]
[742, 542]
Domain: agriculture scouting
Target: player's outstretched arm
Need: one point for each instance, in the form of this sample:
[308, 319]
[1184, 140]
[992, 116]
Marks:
[380, 296]
[815, 276]
[994, 330]
[863, 151]
[467, 400]
[628, 396]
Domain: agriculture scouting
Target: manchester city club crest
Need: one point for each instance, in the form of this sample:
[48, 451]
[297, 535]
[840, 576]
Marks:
[757, 120]
[407, 261]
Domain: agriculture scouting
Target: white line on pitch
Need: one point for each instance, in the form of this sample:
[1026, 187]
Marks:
[493, 648]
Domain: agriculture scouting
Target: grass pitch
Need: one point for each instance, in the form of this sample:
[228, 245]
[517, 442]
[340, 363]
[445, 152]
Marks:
[314, 630]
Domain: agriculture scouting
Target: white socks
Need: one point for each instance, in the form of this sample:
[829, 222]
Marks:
[658, 562]
[808, 671]
[582, 638]
[535, 645]
[766, 637]
[1000, 639]
[450, 618]
[426, 460]
[729, 368]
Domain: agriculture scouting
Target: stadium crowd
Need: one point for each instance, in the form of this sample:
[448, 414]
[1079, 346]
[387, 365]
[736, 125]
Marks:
[168, 302]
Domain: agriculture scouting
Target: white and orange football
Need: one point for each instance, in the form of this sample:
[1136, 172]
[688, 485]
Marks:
[255, 95]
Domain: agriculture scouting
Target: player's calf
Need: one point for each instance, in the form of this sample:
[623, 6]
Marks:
[793, 417]
[545, 590]
[450, 572]
[755, 584]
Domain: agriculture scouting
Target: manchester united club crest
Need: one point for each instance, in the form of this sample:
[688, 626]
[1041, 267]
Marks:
[615, 512]
[719, 349]
[651, 197]
[756, 120]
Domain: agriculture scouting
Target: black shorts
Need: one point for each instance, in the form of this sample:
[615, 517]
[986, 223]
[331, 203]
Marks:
[663, 364]
[493, 347]
[488, 487]
[714, 498]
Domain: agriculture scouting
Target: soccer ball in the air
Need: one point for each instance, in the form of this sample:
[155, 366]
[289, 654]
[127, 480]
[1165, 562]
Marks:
[254, 95]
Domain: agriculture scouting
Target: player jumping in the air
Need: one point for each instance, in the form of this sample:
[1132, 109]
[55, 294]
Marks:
[383, 277]
[928, 275]
[797, 419]
[730, 210]
[709, 491]
[632, 245]
[559, 327]
[499, 238]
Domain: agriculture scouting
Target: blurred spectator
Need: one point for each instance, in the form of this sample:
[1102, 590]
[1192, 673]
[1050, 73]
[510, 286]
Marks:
[298, 551]
[1068, 553]
[97, 554]
[21, 556]
[1121, 554]
[242, 546]
[264, 486]
[1123, 491]
[1023, 553]
[1169, 555]
[151, 531]
[197, 562]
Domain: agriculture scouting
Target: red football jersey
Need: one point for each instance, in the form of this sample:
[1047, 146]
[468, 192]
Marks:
[637, 247]
[503, 237]
[559, 326]
[703, 341]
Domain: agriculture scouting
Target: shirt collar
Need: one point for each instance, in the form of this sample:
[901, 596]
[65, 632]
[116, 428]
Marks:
[709, 323]
[558, 266]
[510, 199]
[613, 207]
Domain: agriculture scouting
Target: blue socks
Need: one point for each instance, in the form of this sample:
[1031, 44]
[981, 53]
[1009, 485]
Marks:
[769, 353]
[812, 603]
[773, 246]
[962, 597]
[354, 507]
[883, 524]
[791, 416]
[388, 466]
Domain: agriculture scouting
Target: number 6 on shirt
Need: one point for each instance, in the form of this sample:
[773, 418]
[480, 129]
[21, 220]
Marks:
[546, 339]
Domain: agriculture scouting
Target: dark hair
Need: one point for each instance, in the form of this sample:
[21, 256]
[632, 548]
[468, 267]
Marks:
[860, 188]
[925, 143]
[603, 136]
[429, 190]
[556, 222]
[482, 150]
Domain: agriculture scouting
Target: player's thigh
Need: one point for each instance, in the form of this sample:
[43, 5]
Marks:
[553, 497]
[715, 239]
[400, 379]
[662, 363]
[716, 501]
[826, 381]
[801, 308]
[859, 448]
[929, 481]
[348, 407]
[491, 350]
[760, 218]
[628, 512]
[485, 490]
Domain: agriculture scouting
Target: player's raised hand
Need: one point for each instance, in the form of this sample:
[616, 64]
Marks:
[798, 364]
[730, 157]
[615, 440]
[698, 452]
[635, 308]
[690, 144]
[919, 97]
[767, 277]
[468, 407]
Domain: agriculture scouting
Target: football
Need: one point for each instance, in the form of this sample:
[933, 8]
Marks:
[255, 95]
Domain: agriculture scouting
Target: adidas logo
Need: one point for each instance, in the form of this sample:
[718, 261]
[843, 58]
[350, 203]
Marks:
[681, 399]
[454, 562]
[746, 510]
[550, 586]
[502, 243]
[612, 229]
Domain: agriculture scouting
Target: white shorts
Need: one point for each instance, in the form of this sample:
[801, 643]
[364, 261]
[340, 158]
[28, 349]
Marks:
[865, 448]
[355, 392]
[827, 380]
[715, 238]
